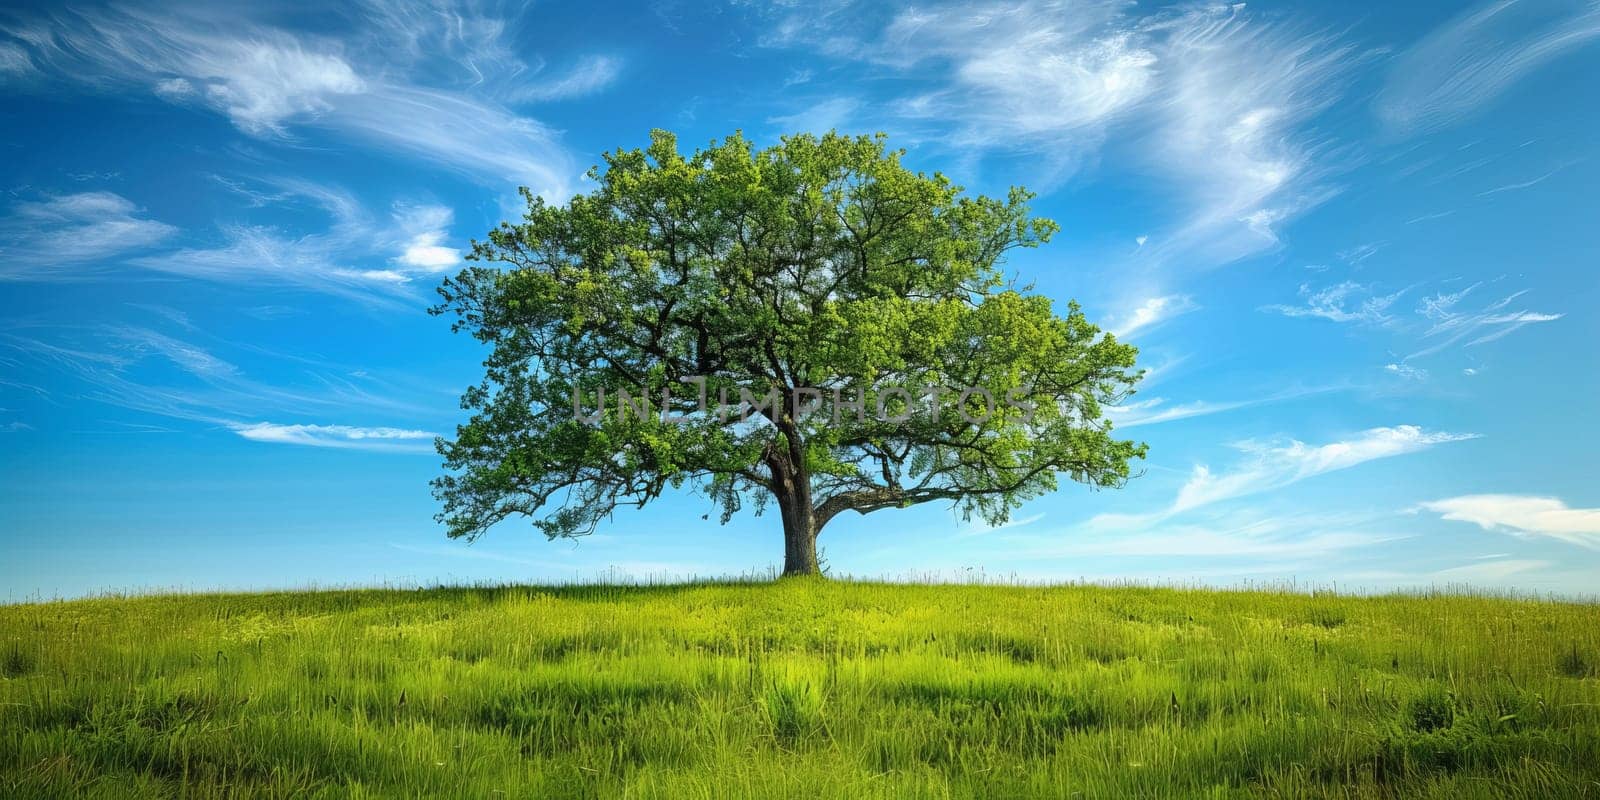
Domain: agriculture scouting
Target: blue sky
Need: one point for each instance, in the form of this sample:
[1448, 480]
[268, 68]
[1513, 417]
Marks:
[1353, 242]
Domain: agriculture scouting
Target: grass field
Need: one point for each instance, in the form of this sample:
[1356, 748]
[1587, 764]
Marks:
[800, 688]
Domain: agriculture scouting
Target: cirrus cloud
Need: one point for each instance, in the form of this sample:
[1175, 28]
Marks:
[46, 239]
[1275, 465]
[338, 436]
[1477, 56]
[372, 86]
[1527, 515]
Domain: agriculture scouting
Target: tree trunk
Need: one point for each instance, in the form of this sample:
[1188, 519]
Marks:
[799, 539]
[793, 490]
[792, 485]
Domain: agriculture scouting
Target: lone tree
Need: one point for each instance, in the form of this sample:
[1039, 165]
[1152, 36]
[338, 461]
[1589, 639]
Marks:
[820, 268]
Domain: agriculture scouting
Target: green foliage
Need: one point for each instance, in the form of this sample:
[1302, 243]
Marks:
[799, 687]
[821, 263]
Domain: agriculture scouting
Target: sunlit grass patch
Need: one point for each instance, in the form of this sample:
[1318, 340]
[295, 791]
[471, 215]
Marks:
[831, 689]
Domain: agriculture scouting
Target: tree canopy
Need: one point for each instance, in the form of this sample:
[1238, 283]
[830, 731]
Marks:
[818, 269]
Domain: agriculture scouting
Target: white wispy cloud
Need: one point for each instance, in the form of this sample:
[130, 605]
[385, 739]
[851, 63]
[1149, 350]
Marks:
[408, 242]
[1528, 515]
[1347, 301]
[1451, 326]
[1441, 305]
[1156, 410]
[379, 85]
[1477, 56]
[1406, 371]
[14, 60]
[1217, 101]
[831, 114]
[260, 78]
[1428, 217]
[474, 46]
[122, 366]
[1270, 465]
[1260, 540]
[49, 238]
[1490, 570]
[174, 89]
[1520, 185]
[1153, 311]
[589, 76]
[1027, 71]
[1235, 128]
[425, 253]
[1356, 256]
[261, 85]
[478, 139]
[427, 227]
[338, 436]
[189, 357]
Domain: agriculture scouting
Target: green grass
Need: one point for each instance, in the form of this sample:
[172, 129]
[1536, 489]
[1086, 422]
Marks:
[800, 688]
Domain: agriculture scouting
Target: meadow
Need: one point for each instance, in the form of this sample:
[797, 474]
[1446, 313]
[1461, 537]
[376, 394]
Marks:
[800, 688]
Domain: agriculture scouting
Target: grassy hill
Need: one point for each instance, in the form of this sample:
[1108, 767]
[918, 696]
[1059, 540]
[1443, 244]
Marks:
[802, 688]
